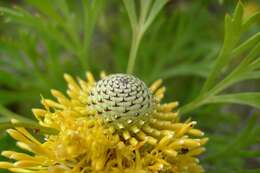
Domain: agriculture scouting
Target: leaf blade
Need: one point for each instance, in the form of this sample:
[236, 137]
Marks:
[131, 10]
[156, 8]
[247, 98]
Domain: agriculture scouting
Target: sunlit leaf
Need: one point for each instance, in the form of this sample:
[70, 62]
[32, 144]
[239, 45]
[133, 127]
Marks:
[249, 98]
[156, 8]
[199, 69]
[131, 10]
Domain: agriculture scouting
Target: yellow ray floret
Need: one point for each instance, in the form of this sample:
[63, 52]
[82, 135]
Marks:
[86, 143]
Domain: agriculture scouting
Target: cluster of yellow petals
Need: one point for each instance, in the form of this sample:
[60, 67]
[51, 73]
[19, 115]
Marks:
[83, 144]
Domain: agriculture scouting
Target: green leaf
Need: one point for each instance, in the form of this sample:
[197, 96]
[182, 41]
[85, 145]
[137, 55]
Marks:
[91, 11]
[255, 65]
[156, 8]
[221, 60]
[247, 65]
[23, 17]
[196, 69]
[233, 29]
[131, 10]
[238, 15]
[249, 76]
[63, 6]
[252, 41]
[250, 20]
[11, 12]
[145, 5]
[249, 98]
[47, 8]
[252, 55]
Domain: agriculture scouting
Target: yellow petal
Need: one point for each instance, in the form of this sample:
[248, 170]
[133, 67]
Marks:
[6, 165]
[155, 85]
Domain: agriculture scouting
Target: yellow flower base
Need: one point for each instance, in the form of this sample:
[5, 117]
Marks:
[85, 144]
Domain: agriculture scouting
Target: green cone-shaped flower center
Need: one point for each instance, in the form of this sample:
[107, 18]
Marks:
[121, 95]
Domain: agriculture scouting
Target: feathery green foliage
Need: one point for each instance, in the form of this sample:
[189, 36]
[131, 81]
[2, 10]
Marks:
[179, 42]
[216, 82]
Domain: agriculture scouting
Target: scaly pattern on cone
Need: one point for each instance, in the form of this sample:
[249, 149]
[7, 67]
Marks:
[121, 96]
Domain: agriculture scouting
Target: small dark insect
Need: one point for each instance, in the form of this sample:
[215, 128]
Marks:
[36, 130]
[184, 150]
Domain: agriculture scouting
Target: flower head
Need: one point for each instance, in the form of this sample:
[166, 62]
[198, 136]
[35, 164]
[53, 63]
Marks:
[114, 125]
[121, 96]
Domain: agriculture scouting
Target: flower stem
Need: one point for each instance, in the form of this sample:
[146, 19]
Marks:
[137, 36]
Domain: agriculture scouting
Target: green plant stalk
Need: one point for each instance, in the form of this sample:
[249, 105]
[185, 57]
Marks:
[84, 53]
[226, 82]
[233, 25]
[223, 58]
[192, 105]
[202, 99]
[224, 53]
[5, 122]
[141, 25]
[137, 37]
[92, 10]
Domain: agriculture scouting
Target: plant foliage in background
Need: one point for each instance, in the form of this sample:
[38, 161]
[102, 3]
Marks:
[43, 39]
[222, 74]
[53, 38]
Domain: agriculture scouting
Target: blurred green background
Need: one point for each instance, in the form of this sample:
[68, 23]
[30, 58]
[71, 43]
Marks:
[55, 37]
